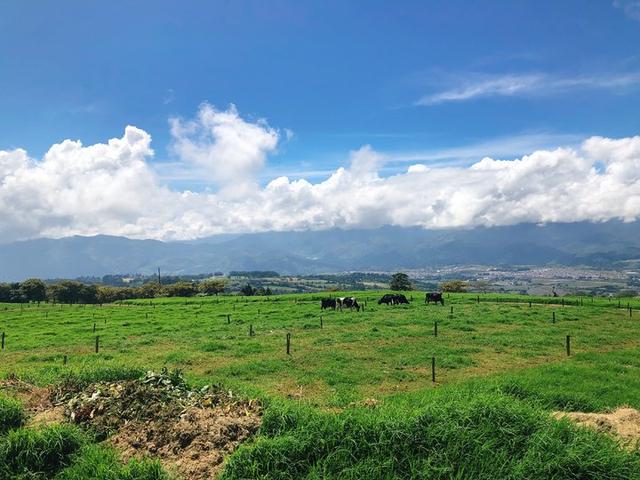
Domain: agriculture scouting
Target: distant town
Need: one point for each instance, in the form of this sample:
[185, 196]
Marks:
[532, 280]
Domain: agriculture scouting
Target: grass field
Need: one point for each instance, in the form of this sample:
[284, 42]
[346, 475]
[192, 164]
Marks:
[501, 363]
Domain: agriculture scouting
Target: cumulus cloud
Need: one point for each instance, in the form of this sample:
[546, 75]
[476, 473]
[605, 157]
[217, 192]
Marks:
[224, 147]
[111, 188]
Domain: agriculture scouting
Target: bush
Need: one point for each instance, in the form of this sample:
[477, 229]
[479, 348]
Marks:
[11, 414]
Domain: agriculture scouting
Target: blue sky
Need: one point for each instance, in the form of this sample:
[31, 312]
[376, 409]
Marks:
[377, 113]
[338, 74]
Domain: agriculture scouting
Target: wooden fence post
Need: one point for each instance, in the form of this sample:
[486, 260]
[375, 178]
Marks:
[568, 341]
[433, 369]
[288, 344]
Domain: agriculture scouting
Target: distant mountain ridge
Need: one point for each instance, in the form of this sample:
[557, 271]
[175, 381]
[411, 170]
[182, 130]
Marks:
[326, 251]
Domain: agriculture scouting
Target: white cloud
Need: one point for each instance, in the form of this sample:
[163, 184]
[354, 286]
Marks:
[112, 188]
[223, 147]
[511, 85]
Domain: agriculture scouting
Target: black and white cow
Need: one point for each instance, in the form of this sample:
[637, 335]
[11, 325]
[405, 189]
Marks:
[349, 302]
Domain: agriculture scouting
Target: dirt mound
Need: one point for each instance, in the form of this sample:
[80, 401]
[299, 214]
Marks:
[190, 432]
[623, 423]
[35, 400]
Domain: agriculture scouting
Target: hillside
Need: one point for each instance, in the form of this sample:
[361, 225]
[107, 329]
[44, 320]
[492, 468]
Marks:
[388, 248]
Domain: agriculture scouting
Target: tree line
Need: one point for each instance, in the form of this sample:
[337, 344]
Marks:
[71, 291]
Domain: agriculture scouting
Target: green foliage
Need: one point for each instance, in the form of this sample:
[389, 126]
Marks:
[400, 281]
[181, 289]
[33, 290]
[11, 414]
[212, 286]
[38, 452]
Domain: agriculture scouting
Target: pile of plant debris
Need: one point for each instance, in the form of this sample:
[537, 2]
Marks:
[190, 431]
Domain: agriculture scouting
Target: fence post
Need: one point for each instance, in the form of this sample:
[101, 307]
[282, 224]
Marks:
[554, 317]
[433, 369]
[288, 344]
[568, 345]
[3, 336]
[97, 343]
[64, 360]
[321, 326]
[435, 329]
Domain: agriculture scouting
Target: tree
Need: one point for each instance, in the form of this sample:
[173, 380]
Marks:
[481, 286]
[212, 286]
[248, 290]
[88, 294]
[33, 290]
[65, 292]
[148, 290]
[181, 289]
[459, 286]
[400, 281]
[5, 292]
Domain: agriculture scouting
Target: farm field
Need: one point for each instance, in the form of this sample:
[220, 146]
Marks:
[501, 365]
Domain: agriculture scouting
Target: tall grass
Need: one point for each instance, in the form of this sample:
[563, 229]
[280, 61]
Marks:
[38, 453]
[96, 462]
[11, 414]
[489, 437]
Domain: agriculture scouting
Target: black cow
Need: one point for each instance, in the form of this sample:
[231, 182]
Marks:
[349, 302]
[387, 298]
[400, 299]
[434, 297]
[328, 303]
[393, 299]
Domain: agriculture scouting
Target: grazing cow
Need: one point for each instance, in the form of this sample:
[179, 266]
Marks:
[393, 299]
[434, 297]
[328, 303]
[386, 298]
[400, 298]
[349, 302]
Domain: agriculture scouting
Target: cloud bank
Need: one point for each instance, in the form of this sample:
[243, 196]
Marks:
[112, 189]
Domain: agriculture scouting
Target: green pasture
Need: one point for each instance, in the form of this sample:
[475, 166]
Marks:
[501, 367]
[336, 357]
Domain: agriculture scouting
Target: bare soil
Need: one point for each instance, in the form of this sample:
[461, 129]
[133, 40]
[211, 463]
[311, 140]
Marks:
[623, 423]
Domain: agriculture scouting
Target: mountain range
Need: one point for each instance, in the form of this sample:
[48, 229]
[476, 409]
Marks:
[604, 245]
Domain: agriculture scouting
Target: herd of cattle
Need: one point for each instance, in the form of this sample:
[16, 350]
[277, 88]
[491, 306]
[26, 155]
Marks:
[388, 299]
